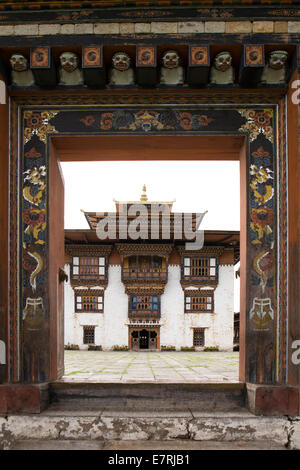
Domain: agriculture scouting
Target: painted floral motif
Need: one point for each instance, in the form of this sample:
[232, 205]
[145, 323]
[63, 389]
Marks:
[186, 121]
[258, 122]
[106, 121]
[189, 121]
[32, 153]
[260, 153]
[88, 120]
[38, 124]
[262, 193]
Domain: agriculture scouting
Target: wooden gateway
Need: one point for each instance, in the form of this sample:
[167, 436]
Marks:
[173, 80]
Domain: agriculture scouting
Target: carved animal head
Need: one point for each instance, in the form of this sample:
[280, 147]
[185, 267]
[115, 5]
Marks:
[68, 61]
[277, 59]
[170, 59]
[18, 62]
[121, 61]
[223, 61]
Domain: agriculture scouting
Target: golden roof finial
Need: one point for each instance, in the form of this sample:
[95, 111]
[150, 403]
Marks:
[144, 197]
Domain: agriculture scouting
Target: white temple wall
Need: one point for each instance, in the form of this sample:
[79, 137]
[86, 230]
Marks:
[115, 310]
[224, 308]
[176, 326]
[172, 307]
[69, 309]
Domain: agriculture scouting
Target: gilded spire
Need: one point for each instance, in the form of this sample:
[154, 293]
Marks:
[144, 197]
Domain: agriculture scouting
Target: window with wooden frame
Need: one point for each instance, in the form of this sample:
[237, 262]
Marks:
[88, 267]
[88, 335]
[199, 302]
[199, 337]
[144, 267]
[144, 305]
[199, 268]
[87, 303]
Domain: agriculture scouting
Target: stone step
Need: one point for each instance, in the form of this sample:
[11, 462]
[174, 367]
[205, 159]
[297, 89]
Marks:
[77, 427]
[199, 396]
[178, 445]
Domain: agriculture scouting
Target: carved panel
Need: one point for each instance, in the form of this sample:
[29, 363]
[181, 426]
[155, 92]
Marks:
[146, 56]
[40, 58]
[254, 56]
[127, 249]
[199, 56]
[92, 57]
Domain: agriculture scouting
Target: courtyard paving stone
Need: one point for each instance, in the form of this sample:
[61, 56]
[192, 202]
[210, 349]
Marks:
[105, 366]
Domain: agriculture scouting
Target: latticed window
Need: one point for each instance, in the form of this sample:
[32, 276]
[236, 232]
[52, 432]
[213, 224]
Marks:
[144, 304]
[199, 303]
[144, 267]
[199, 338]
[199, 268]
[89, 303]
[88, 267]
[88, 335]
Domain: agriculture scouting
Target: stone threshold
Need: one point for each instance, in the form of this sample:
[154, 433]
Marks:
[63, 383]
[178, 445]
[117, 428]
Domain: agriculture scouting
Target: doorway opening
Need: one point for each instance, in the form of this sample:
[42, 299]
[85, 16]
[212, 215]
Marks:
[199, 349]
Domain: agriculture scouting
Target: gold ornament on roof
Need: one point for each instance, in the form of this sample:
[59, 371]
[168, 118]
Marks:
[144, 197]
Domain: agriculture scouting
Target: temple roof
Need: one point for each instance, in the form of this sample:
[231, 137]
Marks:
[154, 213]
[122, 207]
[224, 238]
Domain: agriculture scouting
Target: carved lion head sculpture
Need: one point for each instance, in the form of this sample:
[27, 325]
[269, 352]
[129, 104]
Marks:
[121, 61]
[277, 59]
[68, 61]
[171, 59]
[223, 61]
[18, 62]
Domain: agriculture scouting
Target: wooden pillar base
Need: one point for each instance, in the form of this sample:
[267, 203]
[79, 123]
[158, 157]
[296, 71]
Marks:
[273, 400]
[18, 398]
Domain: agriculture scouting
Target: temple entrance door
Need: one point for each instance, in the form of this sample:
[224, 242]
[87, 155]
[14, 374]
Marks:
[135, 340]
[153, 340]
[144, 339]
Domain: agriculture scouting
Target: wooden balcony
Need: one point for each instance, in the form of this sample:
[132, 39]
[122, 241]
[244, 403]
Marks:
[144, 274]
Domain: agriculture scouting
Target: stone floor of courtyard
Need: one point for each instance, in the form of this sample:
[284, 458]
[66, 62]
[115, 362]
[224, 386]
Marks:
[129, 366]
